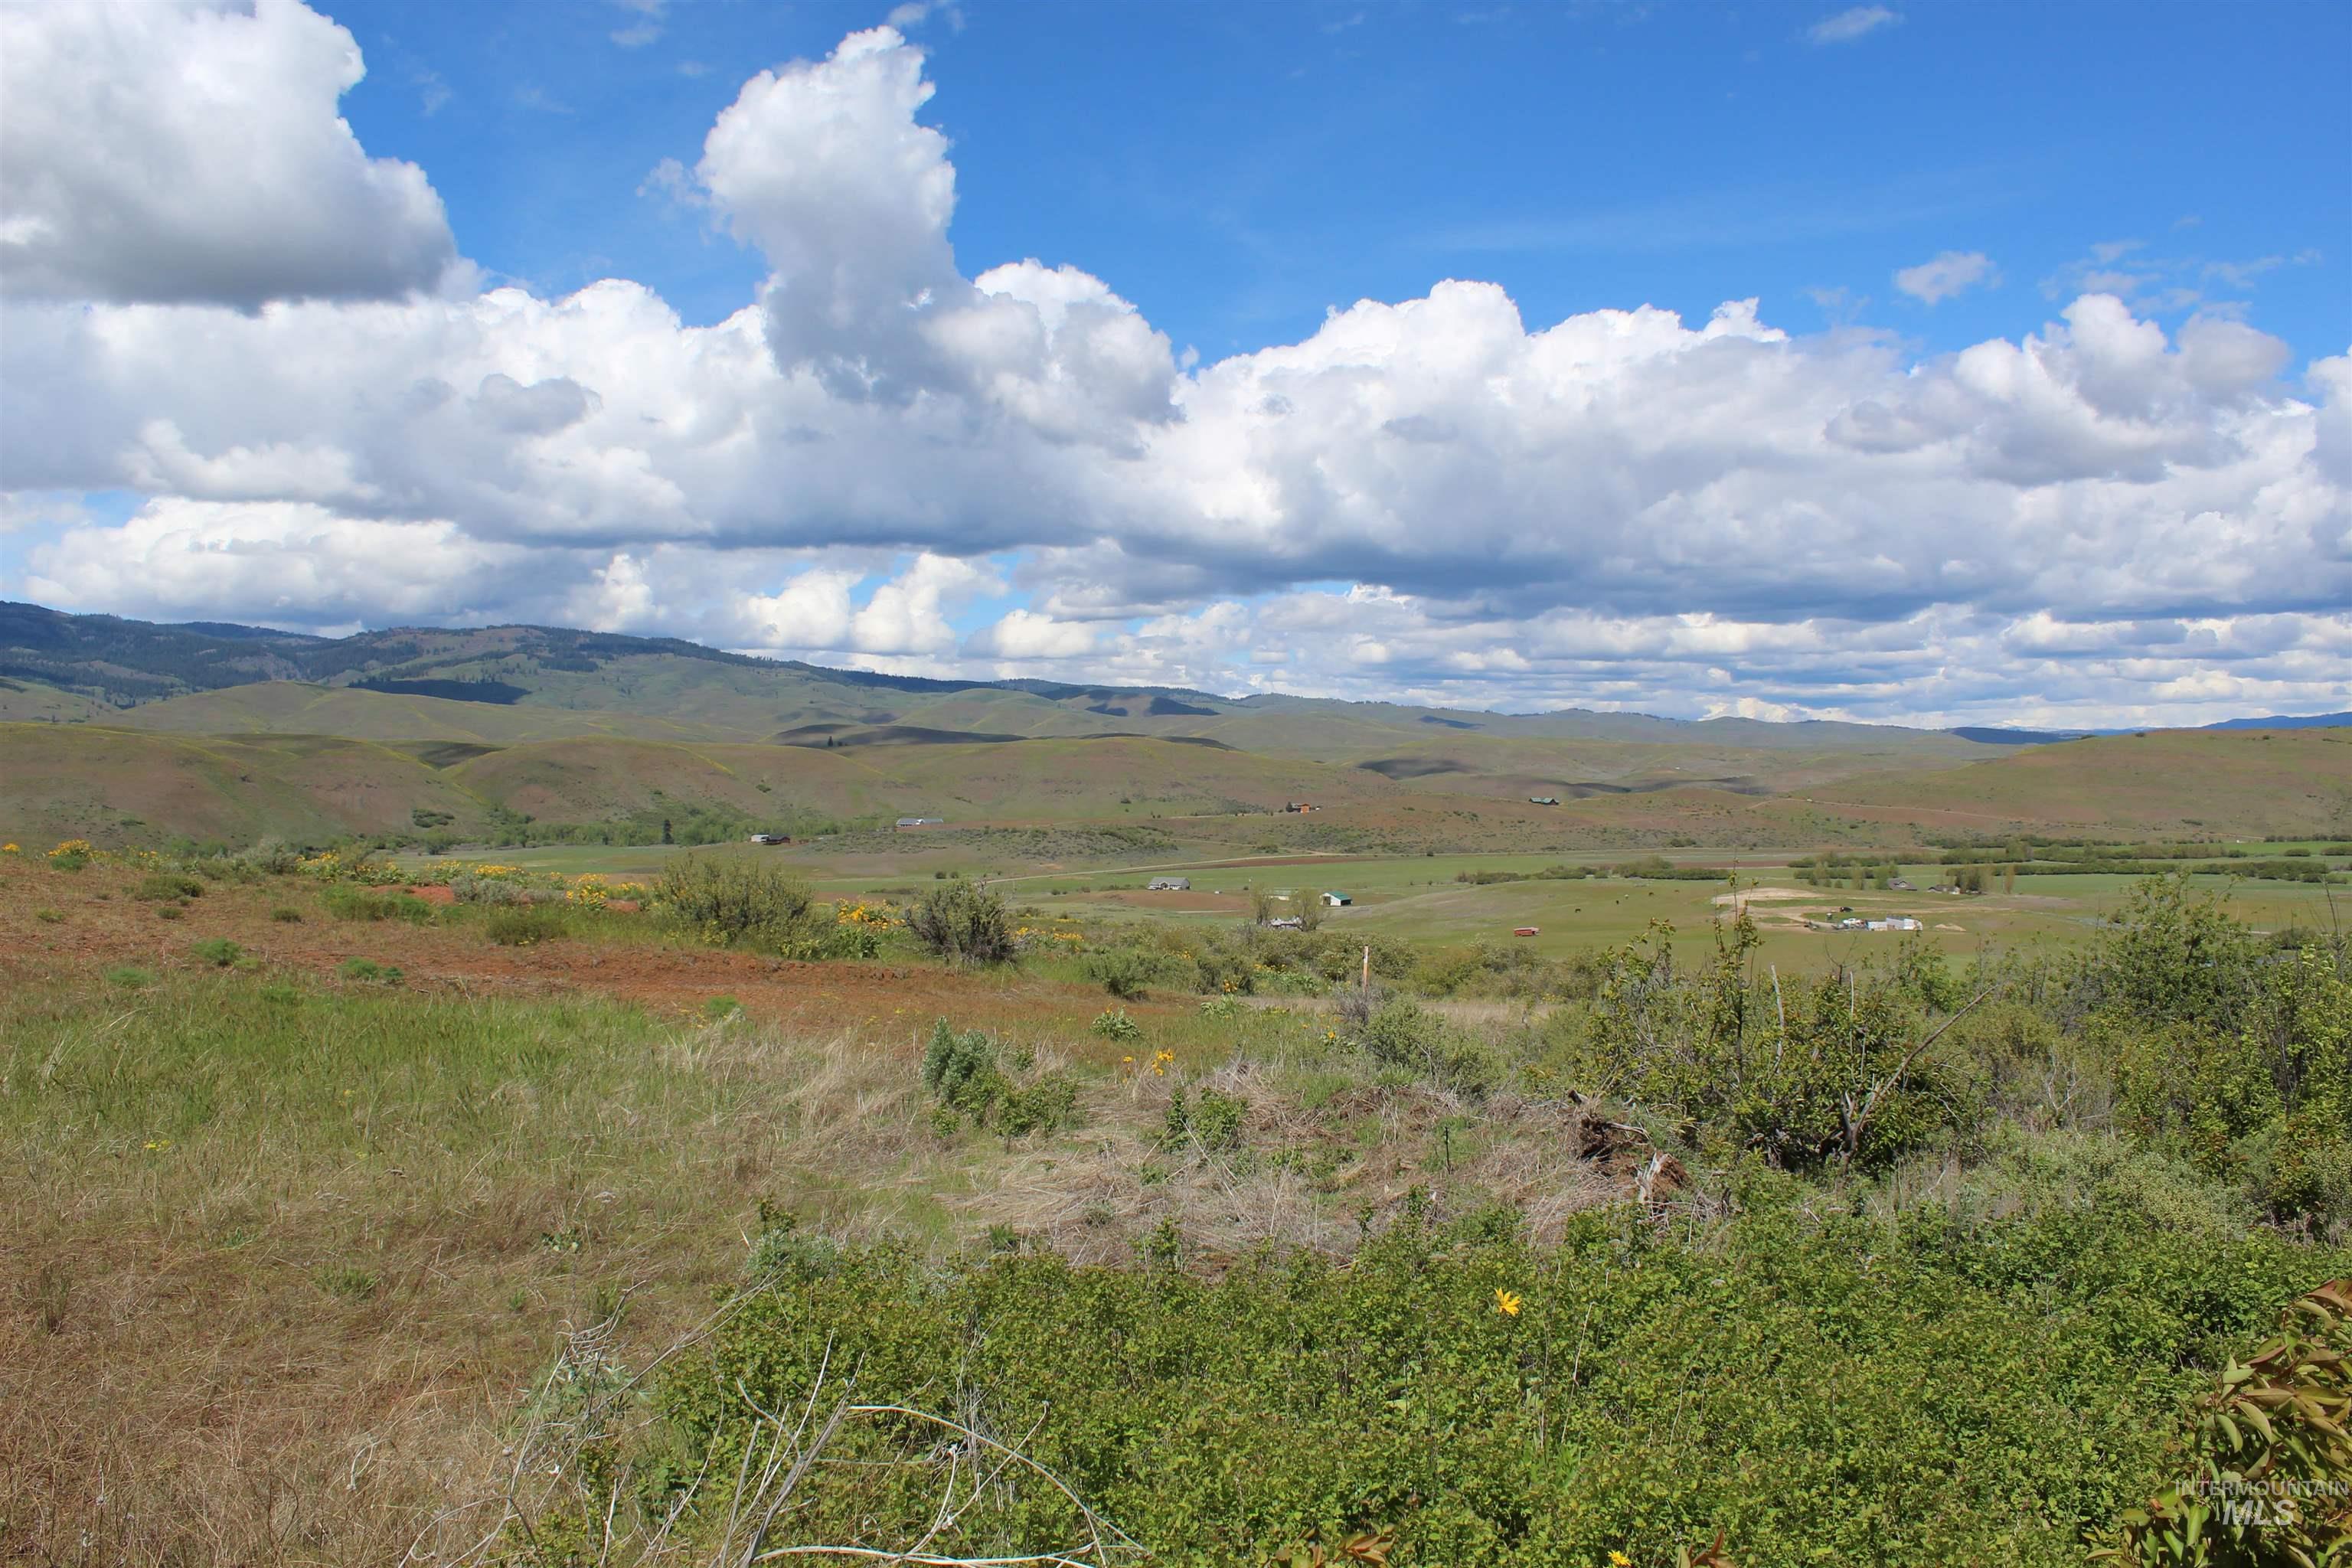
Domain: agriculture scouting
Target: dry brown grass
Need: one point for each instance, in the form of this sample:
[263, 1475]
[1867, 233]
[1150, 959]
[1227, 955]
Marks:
[301, 1325]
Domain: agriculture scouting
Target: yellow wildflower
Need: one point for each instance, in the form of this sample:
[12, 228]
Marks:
[1619, 1560]
[1507, 1303]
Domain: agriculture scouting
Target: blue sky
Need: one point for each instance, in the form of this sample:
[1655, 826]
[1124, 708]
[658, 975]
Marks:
[1932, 363]
[1237, 169]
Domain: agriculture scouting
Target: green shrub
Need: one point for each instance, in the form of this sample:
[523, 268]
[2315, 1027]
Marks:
[472, 888]
[523, 927]
[734, 901]
[286, 914]
[1831, 1071]
[959, 1068]
[1214, 1119]
[2267, 1455]
[965, 1070]
[218, 952]
[1792, 1381]
[130, 977]
[48, 916]
[1043, 1106]
[345, 901]
[1124, 972]
[169, 913]
[1115, 1024]
[368, 969]
[167, 884]
[965, 924]
[1399, 1034]
[2244, 1068]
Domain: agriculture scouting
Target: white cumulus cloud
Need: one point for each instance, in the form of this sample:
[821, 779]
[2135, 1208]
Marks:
[883, 458]
[183, 150]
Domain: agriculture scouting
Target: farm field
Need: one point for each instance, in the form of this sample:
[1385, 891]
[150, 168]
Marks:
[1419, 899]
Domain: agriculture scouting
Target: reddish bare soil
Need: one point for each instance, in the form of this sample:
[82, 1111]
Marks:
[102, 926]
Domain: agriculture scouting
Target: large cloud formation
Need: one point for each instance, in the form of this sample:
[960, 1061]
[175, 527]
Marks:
[1621, 508]
[178, 151]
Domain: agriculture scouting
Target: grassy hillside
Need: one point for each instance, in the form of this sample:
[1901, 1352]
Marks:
[2181, 782]
[287, 707]
[116, 786]
[37, 702]
[707, 693]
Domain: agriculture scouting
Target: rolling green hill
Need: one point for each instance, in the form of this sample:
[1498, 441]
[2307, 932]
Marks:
[118, 729]
[2183, 783]
[120, 786]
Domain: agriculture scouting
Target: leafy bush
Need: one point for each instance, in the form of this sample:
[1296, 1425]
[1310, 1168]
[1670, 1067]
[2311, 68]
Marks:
[1124, 972]
[1051, 1103]
[473, 887]
[2267, 1455]
[959, 1068]
[270, 857]
[218, 952]
[965, 924]
[1399, 1034]
[2242, 1066]
[1213, 1121]
[368, 969]
[1113, 1023]
[1833, 1071]
[523, 927]
[49, 917]
[346, 903]
[736, 902]
[964, 1070]
[286, 914]
[1496, 1404]
[163, 885]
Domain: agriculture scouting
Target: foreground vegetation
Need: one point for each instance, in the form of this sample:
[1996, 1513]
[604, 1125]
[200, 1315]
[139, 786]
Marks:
[335, 1230]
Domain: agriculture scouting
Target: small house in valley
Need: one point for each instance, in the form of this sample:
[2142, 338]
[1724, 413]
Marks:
[1169, 884]
[1337, 901]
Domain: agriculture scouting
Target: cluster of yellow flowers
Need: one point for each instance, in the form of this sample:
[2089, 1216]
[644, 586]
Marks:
[74, 850]
[862, 913]
[330, 866]
[7, 849]
[1160, 1062]
[589, 892]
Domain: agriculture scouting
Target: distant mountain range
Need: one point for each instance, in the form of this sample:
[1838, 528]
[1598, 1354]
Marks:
[702, 692]
[2007, 737]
